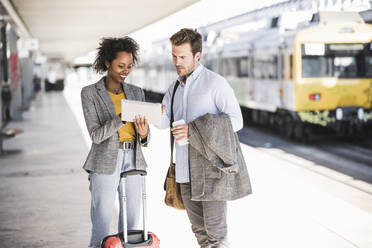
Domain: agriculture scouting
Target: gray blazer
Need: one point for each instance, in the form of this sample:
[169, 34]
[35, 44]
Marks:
[103, 125]
[217, 168]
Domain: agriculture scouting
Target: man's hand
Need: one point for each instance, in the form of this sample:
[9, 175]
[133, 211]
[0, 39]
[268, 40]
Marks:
[142, 126]
[162, 108]
[181, 132]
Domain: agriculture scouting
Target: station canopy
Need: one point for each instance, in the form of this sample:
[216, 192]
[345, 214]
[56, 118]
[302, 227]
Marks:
[70, 28]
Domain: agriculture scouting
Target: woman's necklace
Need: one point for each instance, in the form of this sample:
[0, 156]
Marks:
[114, 91]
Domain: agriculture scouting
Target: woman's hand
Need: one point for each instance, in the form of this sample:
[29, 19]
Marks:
[142, 126]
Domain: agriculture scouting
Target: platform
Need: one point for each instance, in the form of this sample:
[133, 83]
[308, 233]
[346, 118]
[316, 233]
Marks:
[45, 198]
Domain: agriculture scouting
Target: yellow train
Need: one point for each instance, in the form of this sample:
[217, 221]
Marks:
[298, 80]
[318, 75]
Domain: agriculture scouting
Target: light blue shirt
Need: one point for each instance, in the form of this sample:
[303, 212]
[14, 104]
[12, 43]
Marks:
[204, 92]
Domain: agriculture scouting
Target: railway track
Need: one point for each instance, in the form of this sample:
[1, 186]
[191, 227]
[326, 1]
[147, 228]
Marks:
[348, 162]
[353, 151]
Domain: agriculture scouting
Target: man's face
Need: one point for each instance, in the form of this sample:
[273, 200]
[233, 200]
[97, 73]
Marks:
[183, 59]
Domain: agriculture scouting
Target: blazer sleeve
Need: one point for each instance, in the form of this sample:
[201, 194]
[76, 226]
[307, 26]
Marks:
[98, 132]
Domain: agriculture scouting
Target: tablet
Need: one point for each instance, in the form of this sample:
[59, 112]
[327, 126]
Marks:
[130, 109]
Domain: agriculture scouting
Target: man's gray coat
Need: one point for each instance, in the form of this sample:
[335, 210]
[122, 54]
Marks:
[217, 168]
[103, 125]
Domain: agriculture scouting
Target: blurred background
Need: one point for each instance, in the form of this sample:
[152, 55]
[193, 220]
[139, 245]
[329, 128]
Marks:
[300, 69]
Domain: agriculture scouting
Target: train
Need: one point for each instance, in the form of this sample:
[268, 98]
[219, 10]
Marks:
[312, 78]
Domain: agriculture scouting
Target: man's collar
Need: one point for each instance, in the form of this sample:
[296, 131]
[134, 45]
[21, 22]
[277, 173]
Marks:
[194, 75]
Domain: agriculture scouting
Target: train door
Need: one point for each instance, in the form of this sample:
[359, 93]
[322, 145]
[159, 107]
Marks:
[251, 84]
[235, 70]
[287, 85]
[281, 71]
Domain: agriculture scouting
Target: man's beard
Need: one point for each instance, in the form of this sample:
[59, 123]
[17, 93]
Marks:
[187, 71]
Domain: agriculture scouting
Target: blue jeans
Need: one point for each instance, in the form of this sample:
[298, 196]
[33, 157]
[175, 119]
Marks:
[104, 189]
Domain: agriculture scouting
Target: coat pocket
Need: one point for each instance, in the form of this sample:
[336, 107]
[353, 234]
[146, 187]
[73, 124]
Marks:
[211, 171]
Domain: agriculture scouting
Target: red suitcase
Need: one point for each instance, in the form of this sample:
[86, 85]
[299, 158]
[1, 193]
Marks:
[132, 238]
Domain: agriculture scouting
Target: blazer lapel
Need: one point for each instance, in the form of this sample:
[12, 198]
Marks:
[129, 94]
[105, 97]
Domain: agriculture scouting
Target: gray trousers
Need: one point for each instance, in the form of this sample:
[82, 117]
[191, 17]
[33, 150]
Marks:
[104, 189]
[208, 219]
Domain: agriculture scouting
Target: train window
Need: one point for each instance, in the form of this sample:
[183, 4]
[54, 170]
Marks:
[314, 66]
[215, 66]
[265, 67]
[242, 64]
[274, 22]
[169, 65]
[368, 66]
[347, 61]
[281, 67]
[229, 67]
[345, 67]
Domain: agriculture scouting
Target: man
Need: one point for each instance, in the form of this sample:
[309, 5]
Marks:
[201, 92]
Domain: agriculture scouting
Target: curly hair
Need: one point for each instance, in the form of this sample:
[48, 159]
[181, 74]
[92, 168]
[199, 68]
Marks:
[110, 47]
[187, 35]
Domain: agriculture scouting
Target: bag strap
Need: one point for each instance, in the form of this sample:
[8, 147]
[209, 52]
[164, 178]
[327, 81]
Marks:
[172, 120]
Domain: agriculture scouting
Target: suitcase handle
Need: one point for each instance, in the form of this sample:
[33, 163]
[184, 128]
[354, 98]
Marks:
[133, 172]
[124, 175]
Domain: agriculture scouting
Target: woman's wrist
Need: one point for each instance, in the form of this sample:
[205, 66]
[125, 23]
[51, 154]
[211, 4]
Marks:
[143, 139]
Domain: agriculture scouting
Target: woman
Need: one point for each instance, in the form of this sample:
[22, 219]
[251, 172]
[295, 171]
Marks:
[116, 145]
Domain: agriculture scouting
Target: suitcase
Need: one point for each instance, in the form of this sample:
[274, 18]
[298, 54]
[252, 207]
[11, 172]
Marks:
[132, 238]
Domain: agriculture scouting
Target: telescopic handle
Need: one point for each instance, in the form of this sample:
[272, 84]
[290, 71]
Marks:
[133, 172]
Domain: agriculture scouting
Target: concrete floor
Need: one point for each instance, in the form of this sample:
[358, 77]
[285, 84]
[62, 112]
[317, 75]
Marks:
[44, 196]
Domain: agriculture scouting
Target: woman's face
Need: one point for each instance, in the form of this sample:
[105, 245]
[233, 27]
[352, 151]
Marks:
[120, 67]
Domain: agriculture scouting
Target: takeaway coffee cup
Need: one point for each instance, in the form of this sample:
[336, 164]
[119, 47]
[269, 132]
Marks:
[181, 142]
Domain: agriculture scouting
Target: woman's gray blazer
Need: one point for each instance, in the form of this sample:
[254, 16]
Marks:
[103, 125]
